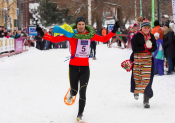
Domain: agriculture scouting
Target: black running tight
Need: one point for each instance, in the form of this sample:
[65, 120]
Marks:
[76, 74]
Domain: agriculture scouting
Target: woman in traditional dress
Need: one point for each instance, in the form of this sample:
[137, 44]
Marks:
[143, 44]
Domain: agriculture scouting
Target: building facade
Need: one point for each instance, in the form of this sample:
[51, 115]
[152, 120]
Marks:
[24, 15]
[3, 13]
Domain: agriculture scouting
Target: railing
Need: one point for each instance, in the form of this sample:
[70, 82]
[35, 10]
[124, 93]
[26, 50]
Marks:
[119, 39]
[11, 46]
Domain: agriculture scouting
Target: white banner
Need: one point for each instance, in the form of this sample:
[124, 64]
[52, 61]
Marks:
[173, 5]
[7, 44]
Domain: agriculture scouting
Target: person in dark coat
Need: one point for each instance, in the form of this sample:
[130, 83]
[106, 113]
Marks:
[51, 44]
[124, 31]
[39, 43]
[97, 31]
[3, 33]
[169, 49]
[93, 47]
[143, 44]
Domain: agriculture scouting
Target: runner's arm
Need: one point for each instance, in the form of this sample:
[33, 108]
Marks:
[103, 38]
[55, 39]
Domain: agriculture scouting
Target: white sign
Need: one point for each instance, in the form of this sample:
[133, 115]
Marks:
[7, 44]
[109, 22]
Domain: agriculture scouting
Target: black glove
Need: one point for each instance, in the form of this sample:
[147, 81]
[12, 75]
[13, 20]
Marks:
[116, 26]
[39, 30]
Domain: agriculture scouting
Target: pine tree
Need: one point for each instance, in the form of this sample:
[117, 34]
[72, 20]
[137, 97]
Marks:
[51, 14]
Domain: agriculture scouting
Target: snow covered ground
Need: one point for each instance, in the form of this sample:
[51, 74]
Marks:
[34, 83]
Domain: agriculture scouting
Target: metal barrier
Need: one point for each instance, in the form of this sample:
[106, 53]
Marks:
[119, 39]
[28, 41]
[10, 46]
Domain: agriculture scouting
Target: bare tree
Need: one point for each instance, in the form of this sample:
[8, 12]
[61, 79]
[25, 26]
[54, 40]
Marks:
[125, 9]
[8, 14]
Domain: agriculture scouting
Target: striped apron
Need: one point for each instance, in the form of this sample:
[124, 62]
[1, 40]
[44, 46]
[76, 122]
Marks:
[142, 71]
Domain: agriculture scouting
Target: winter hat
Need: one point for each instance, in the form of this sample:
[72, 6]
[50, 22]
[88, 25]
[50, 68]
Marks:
[167, 24]
[81, 18]
[157, 34]
[143, 22]
[156, 23]
[135, 25]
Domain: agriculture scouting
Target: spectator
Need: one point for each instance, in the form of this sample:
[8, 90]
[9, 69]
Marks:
[124, 31]
[159, 55]
[158, 29]
[97, 31]
[93, 47]
[11, 34]
[104, 32]
[18, 34]
[8, 35]
[5, 31]
[168, 46]
[118, 41]
[172, 27]
[51, 33]
[2, 32]
[39, 43]
[14, 33]
[47, 43]
[23, 33]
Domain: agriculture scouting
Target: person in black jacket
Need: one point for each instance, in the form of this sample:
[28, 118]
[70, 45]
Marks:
[3, 33]
[169, 49]
[93, 47]
[124, 31]
[39, 43]
[143, 44]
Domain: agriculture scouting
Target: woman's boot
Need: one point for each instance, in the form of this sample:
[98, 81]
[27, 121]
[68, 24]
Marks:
[146, 102]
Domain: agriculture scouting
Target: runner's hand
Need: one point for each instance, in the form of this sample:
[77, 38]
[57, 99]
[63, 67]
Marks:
[39, 30]
[116, 26]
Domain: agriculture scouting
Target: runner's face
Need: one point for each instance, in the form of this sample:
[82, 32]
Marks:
[80, 27]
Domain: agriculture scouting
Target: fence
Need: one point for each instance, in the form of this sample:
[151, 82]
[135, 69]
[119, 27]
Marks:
[11, 46]
[119, 39]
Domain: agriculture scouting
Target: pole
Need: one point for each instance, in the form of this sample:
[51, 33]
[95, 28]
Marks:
[135, 12]
[89, 12]
[158, 12]
[153, 12]
[141, 8]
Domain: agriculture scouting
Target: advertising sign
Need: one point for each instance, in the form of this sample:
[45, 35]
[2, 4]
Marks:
[19, 45]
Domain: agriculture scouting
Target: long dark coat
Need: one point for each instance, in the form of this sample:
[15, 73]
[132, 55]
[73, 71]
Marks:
[137, 47]
[169, 49]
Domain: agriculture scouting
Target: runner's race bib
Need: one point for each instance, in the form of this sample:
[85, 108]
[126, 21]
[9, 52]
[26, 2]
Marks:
[83, 46]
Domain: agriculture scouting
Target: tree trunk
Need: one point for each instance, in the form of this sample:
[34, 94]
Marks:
[8, 14]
